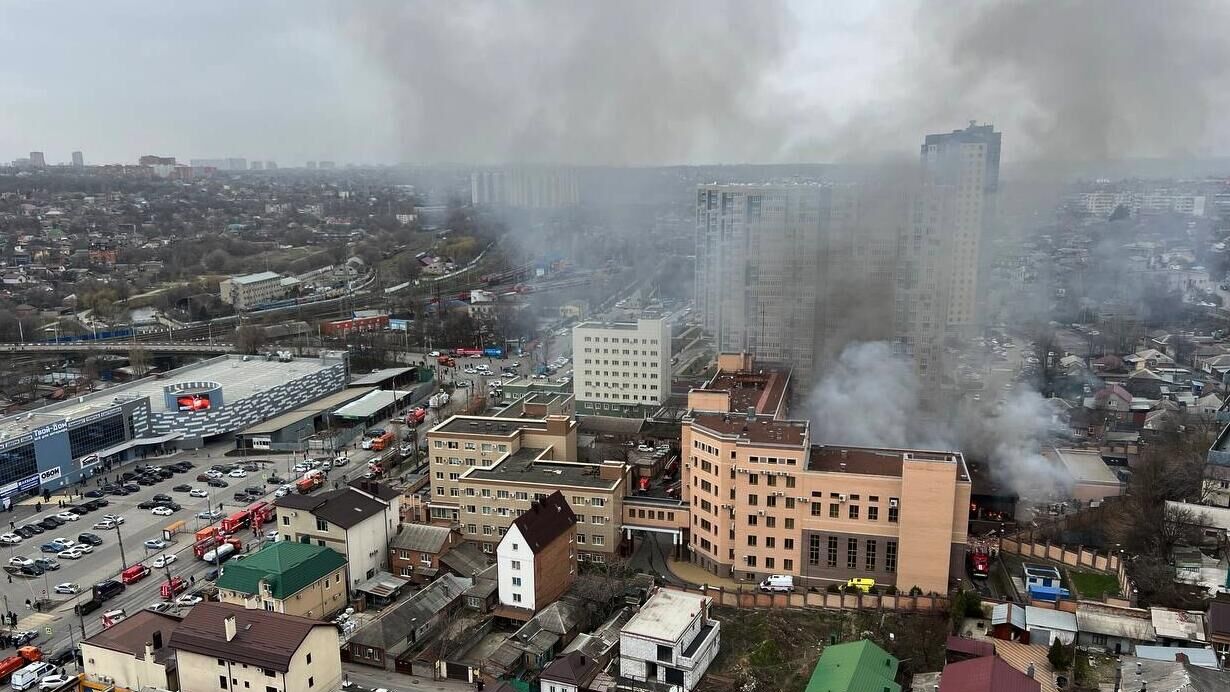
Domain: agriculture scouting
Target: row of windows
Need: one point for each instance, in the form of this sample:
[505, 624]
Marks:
[832, 553]
[620, 340]
[454, 444]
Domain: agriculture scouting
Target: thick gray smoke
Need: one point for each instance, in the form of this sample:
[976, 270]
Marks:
[872, 397]
[643, 82]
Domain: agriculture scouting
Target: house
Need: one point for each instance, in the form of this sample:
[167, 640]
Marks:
[415, 550]
[536, 560]
[1008, 622]
[985, 674]
[1178, 627]
[1218, 620]
[964, 648]
[1148, 358]
[1045, 625]
[536, 642]
[603, 643]
[133, 653]
[225, 646]
[1199, 657]
[396, 629]
[854, 667]
[483, 594]
[287, 577]
[464, 560]
[1169, 674]
[671, 640]
[356, 523]
[1114, 629]
[571, 672]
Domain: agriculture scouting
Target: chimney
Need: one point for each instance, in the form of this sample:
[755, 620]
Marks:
[149, 651]
[1180, 658]
[157, 640]
[1030, 670]
[229, 624]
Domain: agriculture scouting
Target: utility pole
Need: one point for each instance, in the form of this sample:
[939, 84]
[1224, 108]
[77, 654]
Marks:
[119, 537]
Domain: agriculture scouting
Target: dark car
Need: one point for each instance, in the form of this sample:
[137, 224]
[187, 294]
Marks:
[87, 607]
[255, 490]
[96, 503]
[23, 532]
[62, 657]
[50, 523]
[146, 480]
[162, 497]
[173, 506]
[46, 564]
[132, 487]
[162, 473]
[119, 492]
[201, 478]
[95, 493]
[36, 528]
[250, 467]
[147, 504]
[127, 475]
[171, 469]
[32, 570]
[108, 589]
[183, 465]
[242, 496]
[212, 573]
[275, 480]
[90, 539]
[216, 483]
[182, 488]
[79, 510]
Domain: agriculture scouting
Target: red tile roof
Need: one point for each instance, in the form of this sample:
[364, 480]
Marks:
[986, 674]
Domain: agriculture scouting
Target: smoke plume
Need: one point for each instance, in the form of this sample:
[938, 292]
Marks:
[871, 396]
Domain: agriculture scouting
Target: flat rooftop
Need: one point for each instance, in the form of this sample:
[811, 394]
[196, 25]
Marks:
[481, 425]
[757, 430]
[666, 615]
[372, 402]
[871, 462]
[311, 410]
[239, 379]
[380, 376]
[1085, 466]
[524, 466]
[761, 389]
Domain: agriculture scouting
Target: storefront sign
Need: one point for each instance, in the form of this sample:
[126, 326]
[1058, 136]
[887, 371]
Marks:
[262, 442]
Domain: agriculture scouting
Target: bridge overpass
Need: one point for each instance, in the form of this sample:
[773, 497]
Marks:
[121, 347]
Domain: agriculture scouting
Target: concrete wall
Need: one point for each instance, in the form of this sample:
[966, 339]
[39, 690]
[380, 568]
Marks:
[124, 670]
[323, 597]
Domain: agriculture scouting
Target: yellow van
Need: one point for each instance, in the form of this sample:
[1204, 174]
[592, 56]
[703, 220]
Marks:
[862, 584]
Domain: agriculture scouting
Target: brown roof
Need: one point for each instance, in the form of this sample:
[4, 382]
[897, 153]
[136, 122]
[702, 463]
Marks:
[545, 521]
[967, 645]
[264, 639]
[573, 668]
[345, 507]
[374, 488]
[986, 674]
[1219, 618]
[130, 635]
[757, 430]
[761, 389]
[872, 462]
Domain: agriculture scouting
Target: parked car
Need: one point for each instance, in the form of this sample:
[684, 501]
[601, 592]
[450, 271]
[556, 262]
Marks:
[10, 538]
[198, 492]
[68, 516]
[90, 539]
[162, 511]
[182, 488]
[47, 563]
[217, 483]
[155, 544]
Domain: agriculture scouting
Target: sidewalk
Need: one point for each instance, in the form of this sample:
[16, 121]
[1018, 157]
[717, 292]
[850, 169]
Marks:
[697, 575]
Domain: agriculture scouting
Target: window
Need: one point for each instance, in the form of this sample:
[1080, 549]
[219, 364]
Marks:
[869, 556]
[890, 557]
[598, 540]
[752, 500]
[285, 520]
[322, 525]
[788, 544]
[787, 565]
[789, 523]
[834, 511]
[268, 672]
[832, 557]
[873, 514]
[817, 509]
[751, 541]
[516, 598]
[270, 689]
[515, 564]
[854, 511]
[770, 542]
[516, 581]
[665, 654]
[769, 563]
[311, 681]
[1099, 639]
[892, 510]
[580, 538]
[222, 681]
[851, 553]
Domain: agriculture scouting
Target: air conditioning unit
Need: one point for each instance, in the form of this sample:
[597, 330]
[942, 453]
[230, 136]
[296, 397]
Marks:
[892, 502]
[800, 499]
[760, 513]
[842, 497]
[780, 494]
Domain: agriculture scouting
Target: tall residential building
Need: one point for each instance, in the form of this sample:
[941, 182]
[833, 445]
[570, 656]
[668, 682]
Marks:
[151, 160]
[38, 160]
[525, 187]
[78, 160]
[621, 368]
[766, 499]
[963, 165]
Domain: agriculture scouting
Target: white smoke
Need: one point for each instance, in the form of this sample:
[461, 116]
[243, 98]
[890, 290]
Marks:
[871, 396]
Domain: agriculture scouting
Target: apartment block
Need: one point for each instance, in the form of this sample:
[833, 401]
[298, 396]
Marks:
[767, 499]
[247, 291]
[355, 521]
[486, 472]
[621, 368]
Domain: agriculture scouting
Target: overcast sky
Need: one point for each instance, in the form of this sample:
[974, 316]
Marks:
[629, 82]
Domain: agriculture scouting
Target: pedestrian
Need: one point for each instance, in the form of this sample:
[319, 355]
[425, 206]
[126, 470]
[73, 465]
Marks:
[10, 579]
[12, 525]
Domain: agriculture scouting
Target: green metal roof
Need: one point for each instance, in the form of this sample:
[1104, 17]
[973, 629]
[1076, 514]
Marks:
[854, 667]
[287, 566]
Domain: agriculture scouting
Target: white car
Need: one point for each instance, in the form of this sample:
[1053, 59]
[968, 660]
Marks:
[64, 542]
[281, 492]
[105, 524]
[434, 354]
[198, 492]
[238, 473]
[164, 560]
[470, 371]
[83, 547]
[161, 511]
[210, 515]
[213, 473]
[155, 544]
[68, 516]
[67, 588]
[494, 383]
[71, 554]
[10, 538]
[114, 517]
[271, 536]
[54, 681]
[188, 600]
[300, 468]
[20, 561]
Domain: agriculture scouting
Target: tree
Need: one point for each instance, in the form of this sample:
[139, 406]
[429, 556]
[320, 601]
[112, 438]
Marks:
[250, 338]
[217, 260]
[1059, 655]
[138, 360]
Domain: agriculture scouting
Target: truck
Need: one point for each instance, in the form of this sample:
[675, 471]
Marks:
[979, 564]
[383, 441]
[309, 483]
[203, 547]
[416, 416]
[221, 553]
[25, 656]
[446, 361]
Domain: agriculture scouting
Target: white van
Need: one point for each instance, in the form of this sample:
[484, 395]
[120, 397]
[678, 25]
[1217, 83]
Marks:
[29, 676]
[778, 582]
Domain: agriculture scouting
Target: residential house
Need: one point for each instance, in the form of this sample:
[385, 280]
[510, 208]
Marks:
[536, 560]
[1045, 625]
[1114, 629]
[398, 628]
[483, 595]
[671, 640]
[1178, 627]
[854, 667]
[1218, 620]
[1169, 674]
[571, 672]
[985, 674]
[134, 653]
[287, 577]
[603, 643]
[415, 550]
[1196, 656]
[226, 646]
[354, 522]
[537, 641]
[960, 648]
[464, 560]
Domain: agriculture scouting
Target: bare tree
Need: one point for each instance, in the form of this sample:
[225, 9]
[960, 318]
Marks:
[138, 360]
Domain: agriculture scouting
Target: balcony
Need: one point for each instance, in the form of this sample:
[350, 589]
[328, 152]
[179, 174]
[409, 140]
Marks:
[701, 650]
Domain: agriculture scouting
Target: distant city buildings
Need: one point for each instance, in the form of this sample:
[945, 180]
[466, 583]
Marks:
[151, 160]
[38, 160]
[235, 164]
[621, 368]
[1103, 203]
[78, 160]
[525, 187]
[247, 291]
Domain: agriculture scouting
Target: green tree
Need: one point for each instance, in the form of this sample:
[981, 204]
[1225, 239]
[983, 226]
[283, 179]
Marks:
[1060, 655]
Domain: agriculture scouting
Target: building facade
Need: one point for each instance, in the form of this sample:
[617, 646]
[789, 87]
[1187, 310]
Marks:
[537, 559]
[670, 641]
[621, 368]
[352, 522]
[132, 654]
[525, 187]
[250, 290]
[287, 577]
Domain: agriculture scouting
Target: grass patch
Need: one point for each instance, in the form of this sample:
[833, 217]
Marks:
[1094, 584]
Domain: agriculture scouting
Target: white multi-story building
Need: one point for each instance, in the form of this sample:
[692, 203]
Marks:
[621, 368]
[248, 291]
[525, 187]
[671, 640]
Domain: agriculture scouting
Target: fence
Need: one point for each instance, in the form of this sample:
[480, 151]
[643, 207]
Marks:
[816, 599]
[1079, 556]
